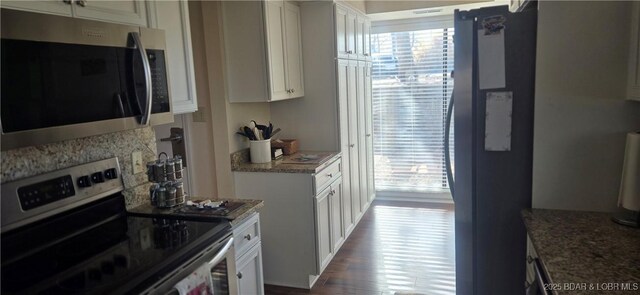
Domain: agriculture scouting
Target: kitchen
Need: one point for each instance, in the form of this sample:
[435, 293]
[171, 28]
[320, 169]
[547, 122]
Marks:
[582, 115]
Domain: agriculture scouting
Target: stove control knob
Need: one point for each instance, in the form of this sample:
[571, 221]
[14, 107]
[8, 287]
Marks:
[111, 173]
[97, 177]
[107, 267]
[84, 181]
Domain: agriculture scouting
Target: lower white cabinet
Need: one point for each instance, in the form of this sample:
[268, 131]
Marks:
[248, 248]
[302, 221]
[249, 268]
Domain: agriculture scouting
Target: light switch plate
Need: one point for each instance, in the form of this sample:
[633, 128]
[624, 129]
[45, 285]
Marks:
[136, 160]
[199, 115]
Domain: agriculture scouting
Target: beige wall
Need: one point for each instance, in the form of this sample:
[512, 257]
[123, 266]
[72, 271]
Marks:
[376, 6]
[226, 118]
[359, 5]
[581, 117]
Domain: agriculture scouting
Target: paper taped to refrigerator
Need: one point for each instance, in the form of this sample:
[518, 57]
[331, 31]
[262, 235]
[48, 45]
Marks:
[497, 131]
[491, 64]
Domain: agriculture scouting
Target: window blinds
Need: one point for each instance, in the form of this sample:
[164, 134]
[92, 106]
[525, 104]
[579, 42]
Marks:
[412, 86]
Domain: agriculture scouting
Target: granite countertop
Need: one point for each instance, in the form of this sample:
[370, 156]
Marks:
[235, 216]
[240, 163]
[584, 247]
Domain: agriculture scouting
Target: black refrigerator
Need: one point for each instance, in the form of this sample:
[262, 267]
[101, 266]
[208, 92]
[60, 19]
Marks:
[493, 111]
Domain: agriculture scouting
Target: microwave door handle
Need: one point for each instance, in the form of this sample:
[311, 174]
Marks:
[221, 254]
[147, 77]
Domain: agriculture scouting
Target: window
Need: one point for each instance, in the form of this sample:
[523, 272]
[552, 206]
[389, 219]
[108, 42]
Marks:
[412, 86]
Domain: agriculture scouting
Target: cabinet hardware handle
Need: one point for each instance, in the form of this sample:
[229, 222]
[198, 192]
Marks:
[239, 275]
[349, 51]
[66, 2]
[288, 90]
[248, 237]
[529, 259]
[366, 54]
[333, 192]
[330, 174]
[293, 90]
[82, 3]
[369, 135]
[352, 145]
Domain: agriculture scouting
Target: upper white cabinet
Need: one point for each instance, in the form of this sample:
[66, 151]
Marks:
[634, 54]
[173, 18]
[262, 50]
[353, 31]
[132, 12]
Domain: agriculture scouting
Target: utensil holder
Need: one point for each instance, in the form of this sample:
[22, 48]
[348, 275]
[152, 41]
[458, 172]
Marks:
[260, 151]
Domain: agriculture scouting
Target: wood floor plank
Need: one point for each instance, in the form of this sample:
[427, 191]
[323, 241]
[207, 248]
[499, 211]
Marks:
[397, 248]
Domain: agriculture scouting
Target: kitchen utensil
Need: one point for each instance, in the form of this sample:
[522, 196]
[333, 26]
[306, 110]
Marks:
[258, 134]
[275, 132]
[249, 133]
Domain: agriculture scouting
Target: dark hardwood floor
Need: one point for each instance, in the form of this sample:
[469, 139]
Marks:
[397, 248]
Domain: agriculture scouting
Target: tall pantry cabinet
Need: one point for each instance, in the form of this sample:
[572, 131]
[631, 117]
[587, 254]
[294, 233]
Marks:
[337, 101]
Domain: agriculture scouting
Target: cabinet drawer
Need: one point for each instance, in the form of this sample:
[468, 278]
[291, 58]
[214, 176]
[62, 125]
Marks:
[246, 234]
[323, 178]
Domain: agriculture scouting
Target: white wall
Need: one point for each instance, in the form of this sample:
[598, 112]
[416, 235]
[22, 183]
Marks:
[581, 117]
[226, 117]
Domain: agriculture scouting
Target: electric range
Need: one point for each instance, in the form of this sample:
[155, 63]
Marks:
[90, 247]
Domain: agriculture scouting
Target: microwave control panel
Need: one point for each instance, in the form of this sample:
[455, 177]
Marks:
[159, 83]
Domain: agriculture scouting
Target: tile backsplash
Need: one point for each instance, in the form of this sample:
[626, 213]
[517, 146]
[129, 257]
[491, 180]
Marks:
[34, 160]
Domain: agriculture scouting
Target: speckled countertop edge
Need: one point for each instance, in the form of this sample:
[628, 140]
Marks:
[584, 247]
[235, 217]
[239, 164]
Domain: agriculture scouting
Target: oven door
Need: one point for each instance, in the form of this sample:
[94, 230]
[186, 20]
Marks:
[220, 259]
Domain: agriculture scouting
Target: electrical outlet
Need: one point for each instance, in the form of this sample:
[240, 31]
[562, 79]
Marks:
[136, 160]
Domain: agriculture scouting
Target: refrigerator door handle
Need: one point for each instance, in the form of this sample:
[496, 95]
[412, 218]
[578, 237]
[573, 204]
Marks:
[447, 153]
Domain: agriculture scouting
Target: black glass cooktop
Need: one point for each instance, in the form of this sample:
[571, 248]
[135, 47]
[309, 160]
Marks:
[123, 254]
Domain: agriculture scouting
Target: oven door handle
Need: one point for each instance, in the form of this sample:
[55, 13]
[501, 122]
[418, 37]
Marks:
[222, 253]
[147, 77]
[540, 277]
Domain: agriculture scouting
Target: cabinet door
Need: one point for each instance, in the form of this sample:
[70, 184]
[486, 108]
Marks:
[367, 39]
[362, 162]
[323, 230]
[276, 49]
[294, 50]
[359, 32]
[341, 31]
[131, 12]
[337, 229]
[343, 92]
[368, 112]
[173, 18]
[634, 55]
[249, 272]
[59, 7]
[354, 158]
[352, 21]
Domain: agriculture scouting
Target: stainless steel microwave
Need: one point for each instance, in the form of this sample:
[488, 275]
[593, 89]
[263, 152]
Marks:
[65, 78]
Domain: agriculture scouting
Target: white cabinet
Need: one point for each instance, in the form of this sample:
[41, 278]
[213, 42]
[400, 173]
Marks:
[353, 31]
[249, 268]
[58, 7]
[126, 12]
[173, 18]
[634, 54]
[248, 249]
[323, 229]
[368, 105]
[337, 225]
[344, 78]
[302, 221]
[132, 12]
[262, 50]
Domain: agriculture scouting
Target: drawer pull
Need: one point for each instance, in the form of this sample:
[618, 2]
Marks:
[529, 259]
[330, 175]
[239, 275]
[248, 237]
